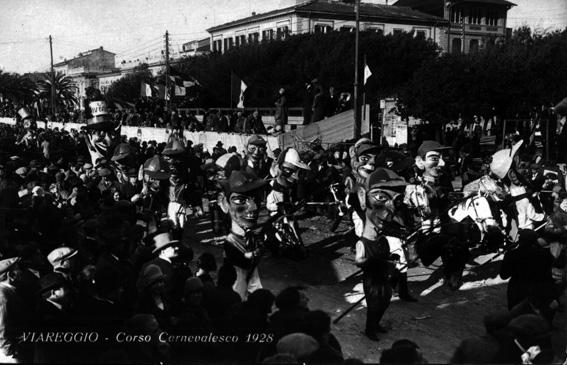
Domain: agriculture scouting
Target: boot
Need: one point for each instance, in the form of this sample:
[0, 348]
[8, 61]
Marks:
[403, 288]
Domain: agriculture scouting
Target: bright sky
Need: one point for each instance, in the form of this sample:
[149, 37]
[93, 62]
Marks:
[135, 28]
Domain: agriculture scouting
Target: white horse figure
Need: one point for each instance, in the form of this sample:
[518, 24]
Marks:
[478, 209]
[415, 197]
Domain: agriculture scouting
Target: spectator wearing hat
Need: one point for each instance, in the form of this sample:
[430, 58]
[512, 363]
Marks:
[13, 320]
[54, 312]
[300, 345]
[254, 124]
[63, 260]
[154, 195]
[402, 352]
[220, 300]
[527, 266]
[292, 309]
[318, 325]
[319, 104]
[241, 201]
[281, 113]
[257, 161]
[151, 296]
[168, 253]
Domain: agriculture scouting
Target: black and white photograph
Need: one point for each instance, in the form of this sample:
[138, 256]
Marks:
[283, 182]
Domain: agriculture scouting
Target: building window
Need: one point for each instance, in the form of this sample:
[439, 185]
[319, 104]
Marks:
[323, 28]
[473, 45]
[217, 45]
[253, 37]
[347, 29]
[397, 31]
[240, 40]
[474, 16]
[456, 45]
[456, 15]
[379, 30]
[268, 34]
[420, 34]
[282, 32]
[491, 18]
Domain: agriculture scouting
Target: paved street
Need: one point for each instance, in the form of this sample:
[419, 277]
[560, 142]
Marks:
[438, 322]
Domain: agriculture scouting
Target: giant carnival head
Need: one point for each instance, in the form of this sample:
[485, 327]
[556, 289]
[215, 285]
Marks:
[100, 122]
[289, 166]
[379, 196]
[155, 170]
[256, 149]
[363, 159]
[429, 159]
[242, 198]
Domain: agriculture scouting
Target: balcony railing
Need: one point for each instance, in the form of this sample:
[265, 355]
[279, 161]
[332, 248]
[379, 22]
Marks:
[457, 27]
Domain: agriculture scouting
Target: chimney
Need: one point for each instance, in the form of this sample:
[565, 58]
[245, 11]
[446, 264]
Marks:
[253, 13]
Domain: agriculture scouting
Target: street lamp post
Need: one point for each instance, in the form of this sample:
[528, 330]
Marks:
[357, 123]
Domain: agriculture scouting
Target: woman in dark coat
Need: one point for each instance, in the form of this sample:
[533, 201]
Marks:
[281, 111]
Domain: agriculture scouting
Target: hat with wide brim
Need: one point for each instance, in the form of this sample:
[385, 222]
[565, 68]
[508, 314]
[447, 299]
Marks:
[121, 151]
[502, 160]
[242, 182]
[155, 168]
[385, 178]
[6, 264]
[100, 123]
[163, 241]
[50, 281]
[366, 148]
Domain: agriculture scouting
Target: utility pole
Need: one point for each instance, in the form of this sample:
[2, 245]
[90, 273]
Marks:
[167, 91]
[53, 107]
[356, 101]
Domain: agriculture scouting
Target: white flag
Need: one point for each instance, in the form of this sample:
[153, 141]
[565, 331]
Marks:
[148, 90]
[367, 73]
[242, 89]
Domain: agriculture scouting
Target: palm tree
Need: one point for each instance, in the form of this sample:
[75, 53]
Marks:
[17, 88]
[65, 89]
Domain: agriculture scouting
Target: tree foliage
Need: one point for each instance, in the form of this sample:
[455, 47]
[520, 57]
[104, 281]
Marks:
[510, 79]
[128, 87]
[16, 87]
[267, 66]
[65, 89]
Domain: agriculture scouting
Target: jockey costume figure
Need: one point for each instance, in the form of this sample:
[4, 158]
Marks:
[241, 200]
[430, 163]
[179, 191]
[217, 172]
[284, 188]
[153, 197]
[503, 167]
[374, 246]
[287, 175]
[363, 163]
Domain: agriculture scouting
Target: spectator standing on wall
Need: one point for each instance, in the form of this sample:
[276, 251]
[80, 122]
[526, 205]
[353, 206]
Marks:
[318, 107]
[308, 103]
[281, 111]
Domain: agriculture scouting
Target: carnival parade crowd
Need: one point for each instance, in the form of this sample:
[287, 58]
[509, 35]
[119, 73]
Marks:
[93, 245]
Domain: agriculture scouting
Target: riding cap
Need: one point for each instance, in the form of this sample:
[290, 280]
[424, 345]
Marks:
[292, 157]
[385, 178]
[256, 140]
[428, 146]
[121, 151]
[242, 182]
[502, 160]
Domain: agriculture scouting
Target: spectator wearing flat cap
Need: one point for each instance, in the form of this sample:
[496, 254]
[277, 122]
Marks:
[63, 261]
[241, 201]
[55, 316]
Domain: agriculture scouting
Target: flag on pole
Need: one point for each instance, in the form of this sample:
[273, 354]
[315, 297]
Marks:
[243, 87]
[367, 73]
[181, 85]
[145, 90]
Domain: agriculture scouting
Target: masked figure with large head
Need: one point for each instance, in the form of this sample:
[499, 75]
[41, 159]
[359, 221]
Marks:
[257, 162]
[287, 175]
[241, 200]
[430, 163]
[363, 162]
[373, 250]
